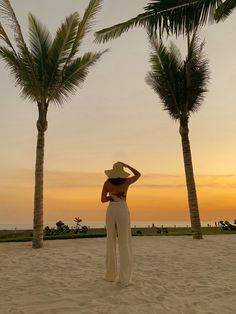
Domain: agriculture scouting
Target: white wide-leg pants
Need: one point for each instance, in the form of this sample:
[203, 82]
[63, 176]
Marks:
[118, 224]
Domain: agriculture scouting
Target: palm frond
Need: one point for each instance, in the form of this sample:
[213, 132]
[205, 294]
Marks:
[196, 74]
[181, 85]
[62, 45]
[39, 37]
[180, 16]
[115, 31]
[73, 76]
[8, 13]
[5, 38]
[224, 10]
[40, 42]
[12, 61]
[86, 23]
[175, 54]
[170, 16]
[29, 88]
[164, 77]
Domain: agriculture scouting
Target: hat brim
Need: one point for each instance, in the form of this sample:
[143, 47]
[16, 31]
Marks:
[112, 174]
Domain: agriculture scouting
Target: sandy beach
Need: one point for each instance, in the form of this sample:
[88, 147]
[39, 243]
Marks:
[174, 275]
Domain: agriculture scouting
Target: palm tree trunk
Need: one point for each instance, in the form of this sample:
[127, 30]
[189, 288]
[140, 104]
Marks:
[192, 194]
[38, 193]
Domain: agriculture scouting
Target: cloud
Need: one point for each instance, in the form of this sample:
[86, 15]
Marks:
[24, 178]
[176, 181]
[160, 186]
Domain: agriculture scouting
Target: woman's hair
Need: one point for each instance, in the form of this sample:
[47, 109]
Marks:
[117, 181]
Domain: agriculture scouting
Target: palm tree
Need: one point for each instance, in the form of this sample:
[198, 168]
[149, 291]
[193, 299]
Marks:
[172, 16]
[181, 86]
[47, 71]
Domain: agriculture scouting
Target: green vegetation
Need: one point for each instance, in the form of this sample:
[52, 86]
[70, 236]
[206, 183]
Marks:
[187, 231]
[101, 232]
[226, 225]
[17, 238]
[173, 17]
[62, 229]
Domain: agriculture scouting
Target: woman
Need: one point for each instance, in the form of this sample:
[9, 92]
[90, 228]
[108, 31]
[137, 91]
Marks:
[118, 221]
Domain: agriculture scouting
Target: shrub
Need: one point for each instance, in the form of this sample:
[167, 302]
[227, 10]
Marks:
[84, 229]
[226, 225]
[61, 228]
[47, 231]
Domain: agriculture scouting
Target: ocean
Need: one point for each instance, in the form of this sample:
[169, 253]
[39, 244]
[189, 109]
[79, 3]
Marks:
[101, 224]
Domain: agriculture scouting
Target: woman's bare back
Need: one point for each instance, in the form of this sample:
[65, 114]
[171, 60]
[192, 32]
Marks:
[119, 191]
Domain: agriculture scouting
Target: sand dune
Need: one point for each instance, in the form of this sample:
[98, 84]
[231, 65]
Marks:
[174, 275]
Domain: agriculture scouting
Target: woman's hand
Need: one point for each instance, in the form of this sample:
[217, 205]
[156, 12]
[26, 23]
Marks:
[123, 164]
[136, 173]
[111, 199]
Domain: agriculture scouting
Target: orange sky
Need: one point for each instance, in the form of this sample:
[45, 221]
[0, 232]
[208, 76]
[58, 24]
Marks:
[156, 197]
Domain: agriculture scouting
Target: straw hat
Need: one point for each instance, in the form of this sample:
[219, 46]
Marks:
[117, 172]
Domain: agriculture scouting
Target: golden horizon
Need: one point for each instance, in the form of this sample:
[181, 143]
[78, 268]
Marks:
[155, 197]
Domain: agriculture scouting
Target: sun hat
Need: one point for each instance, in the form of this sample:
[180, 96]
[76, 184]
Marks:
[117, 171]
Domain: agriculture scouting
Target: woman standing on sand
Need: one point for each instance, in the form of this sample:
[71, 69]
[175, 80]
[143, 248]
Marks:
[118, 221]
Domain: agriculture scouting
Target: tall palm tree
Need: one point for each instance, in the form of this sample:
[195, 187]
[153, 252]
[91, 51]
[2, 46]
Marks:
[47, 71]
[181, 86]
[172, 17]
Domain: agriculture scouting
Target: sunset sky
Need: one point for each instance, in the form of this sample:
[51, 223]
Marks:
[117, 116]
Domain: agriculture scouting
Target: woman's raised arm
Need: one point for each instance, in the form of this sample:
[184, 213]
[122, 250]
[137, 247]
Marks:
[136, 173]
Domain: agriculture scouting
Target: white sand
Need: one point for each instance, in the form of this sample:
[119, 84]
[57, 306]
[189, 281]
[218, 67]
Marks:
[174, 275]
